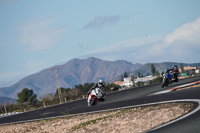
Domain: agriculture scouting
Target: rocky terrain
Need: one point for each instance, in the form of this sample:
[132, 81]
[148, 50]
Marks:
[133, 120]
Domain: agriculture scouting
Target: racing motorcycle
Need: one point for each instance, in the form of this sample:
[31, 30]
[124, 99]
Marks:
[167, 79]
[95, 96]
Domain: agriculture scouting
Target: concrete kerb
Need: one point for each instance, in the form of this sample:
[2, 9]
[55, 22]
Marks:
[175, 88]
[185, 85]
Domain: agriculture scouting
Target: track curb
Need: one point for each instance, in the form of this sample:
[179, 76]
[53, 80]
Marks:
[185, 85]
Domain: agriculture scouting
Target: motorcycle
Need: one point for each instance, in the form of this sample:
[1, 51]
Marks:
[167, 79]
[95, 96]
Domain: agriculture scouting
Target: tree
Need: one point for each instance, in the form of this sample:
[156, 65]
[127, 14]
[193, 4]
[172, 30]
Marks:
[157, 80]
[79, 91]
[139, 74]
[32, 99]
[48, 99]
[122, 77]
[157, 73]
[26, 95]
[139, 83]
[153, 69]
[182, 68]
[125, 74]
[132, 79]
[162, 73]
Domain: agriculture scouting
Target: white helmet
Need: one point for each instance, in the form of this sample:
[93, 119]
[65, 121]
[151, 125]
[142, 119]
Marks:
[100, 83]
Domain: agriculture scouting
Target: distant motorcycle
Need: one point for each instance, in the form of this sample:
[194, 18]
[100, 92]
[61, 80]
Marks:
[167, 79]
[95, 96]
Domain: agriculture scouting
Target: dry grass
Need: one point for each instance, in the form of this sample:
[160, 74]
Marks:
[133, 120]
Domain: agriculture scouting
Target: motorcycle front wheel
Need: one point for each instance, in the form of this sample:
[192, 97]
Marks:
[164, 82]
[91, 102]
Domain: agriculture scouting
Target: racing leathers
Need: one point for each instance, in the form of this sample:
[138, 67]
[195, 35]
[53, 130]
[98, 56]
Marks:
[175, 72]
[103, 90]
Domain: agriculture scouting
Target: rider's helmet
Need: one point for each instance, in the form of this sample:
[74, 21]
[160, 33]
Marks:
[175, 67]
[100, 83]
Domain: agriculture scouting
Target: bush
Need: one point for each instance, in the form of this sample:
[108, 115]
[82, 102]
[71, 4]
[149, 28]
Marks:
[157, 80]
[139, 83]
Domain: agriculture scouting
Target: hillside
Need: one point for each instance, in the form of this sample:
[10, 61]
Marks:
[76, 71]
[80, 71]
[7, 100]
[160, 67]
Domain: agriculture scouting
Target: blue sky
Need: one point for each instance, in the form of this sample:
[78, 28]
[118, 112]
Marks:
[37, 34]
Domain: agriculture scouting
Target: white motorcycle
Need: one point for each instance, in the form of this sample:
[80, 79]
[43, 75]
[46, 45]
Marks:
[95, 96]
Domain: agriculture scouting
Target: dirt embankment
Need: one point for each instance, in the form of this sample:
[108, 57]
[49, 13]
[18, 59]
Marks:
[133, 120]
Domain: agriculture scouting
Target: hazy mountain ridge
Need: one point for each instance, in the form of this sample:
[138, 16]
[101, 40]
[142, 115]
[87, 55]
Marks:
[80, 71]
[76, 71]
[161, 67]
[7, 100]
[145, 69]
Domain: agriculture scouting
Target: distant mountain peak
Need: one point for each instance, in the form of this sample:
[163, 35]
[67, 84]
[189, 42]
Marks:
[78, 71]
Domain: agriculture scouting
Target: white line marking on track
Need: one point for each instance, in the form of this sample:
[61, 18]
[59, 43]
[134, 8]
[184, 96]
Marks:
[175, 88]
[160, 92]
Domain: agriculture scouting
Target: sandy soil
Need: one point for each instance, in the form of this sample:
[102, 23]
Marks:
[133, 120]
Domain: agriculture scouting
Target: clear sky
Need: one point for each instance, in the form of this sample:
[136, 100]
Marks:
[37, 34]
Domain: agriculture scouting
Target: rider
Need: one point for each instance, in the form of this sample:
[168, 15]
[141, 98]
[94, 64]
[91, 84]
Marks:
[175, 72]
[100, 85]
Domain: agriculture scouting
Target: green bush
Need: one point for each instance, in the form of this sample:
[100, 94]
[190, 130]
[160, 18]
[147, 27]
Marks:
[157, 80]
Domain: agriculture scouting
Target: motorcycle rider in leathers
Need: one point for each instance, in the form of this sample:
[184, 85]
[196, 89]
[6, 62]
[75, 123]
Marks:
[100, 85]
[175, 72]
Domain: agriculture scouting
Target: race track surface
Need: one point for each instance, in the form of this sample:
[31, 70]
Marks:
[124, 98]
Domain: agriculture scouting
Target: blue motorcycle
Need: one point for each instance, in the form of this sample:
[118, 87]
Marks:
[167, 79]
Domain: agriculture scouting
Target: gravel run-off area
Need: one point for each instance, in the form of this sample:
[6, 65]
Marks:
[132, 120]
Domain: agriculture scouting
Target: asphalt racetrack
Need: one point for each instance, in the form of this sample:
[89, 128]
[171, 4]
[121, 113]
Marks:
[119, 99]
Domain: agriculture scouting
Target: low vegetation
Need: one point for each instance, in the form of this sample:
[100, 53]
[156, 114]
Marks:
[27, 100]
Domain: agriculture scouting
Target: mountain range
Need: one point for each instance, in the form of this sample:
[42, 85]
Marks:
[80, 71]
[74, 72]
[7, 100]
